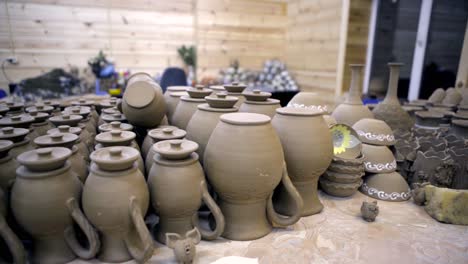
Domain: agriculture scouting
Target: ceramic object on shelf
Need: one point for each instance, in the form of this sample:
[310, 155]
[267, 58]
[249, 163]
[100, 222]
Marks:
[66, 119]
[165, 133]
[118, 213]
[45, 202]
[412, 109]
[18, 136]
[339, 189]
[14, 246]
[390, 110]
[107, 111]
[172, 100]
[352, 109]
[452, 96]
[378, 159]
[306, 156]
[245, 187]
[259, 102]
[205, 119]
[460, 128]
[374, 132]
[108, 103]
[185, 110]
[236, 89]
[177, 188]
[346, 143]
[8, 165]
[83, 111]
[390, 187]
[184, 246]
[437, 96]
[345, 169]
[20, 121]
[143, 103]
[310, 100]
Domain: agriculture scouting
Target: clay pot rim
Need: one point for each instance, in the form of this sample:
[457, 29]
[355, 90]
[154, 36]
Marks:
[141, 95]
[208, 108]
[72, 130]
[108, 127]
[47, 140]
[25, 173]
[178, 94]
[187, 98]
[33, 162]
[123, 137]
[105, 160]
[175, 149]
[293, 111]
[158, 133]
[245, 119]
[269, 101]
[5, 145]
[192, 158]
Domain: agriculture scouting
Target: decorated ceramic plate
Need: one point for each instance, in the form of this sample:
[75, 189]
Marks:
[346, 143]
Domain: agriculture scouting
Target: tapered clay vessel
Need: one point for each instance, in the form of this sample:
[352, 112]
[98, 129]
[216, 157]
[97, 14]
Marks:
[8, 237]
[177, 188]
[259, 102]
[205, 119]
[45, 202]
[188, 105]
[143, 103]
[161, 134]
[352, 110]
[18, 136]
[390, 109]
[244, 162]
[308, 151]
[8, 165]
[118, 212]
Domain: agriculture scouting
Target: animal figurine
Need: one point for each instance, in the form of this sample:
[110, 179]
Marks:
[184, 248]
[419, 196]
[369, 211]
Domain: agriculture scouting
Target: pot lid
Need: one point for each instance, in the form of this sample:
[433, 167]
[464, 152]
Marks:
[221, 100]
[13, 134]
[40, 108]
[245, 119]
[378, 159]
[175, 149]
[268, 101]
[178, 94]
[115, 137]
[139, 94]
[217, 88]
[64, 129]
[44, 159]
[199, 91]
[346, 143]
[375, 132]
[23, 120]
[115, 125]
[14, 106]
[108, 102]
[65, 119]
[5, 146]
[4, 109]
[235, 87]
[113, 117]
[111, 110]
[66, 140]
[39, 116]
[190, 99]
[299, 111]
[52, 103]
[115, 158]
[84, 111]
[83, 102]
[178, 88]
[166, 133]
[256, 95]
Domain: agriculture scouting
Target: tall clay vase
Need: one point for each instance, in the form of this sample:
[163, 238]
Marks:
[45, 202]
[115, 200]
[12, 242]
[352, 110]
[390, 110]
[244, 162]
[143, 103]
[177, 188]
[308, 151]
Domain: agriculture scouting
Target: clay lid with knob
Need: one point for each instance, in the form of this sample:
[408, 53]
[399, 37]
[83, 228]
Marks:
[84, 111]
[115, 138]
[115, 125]
[235, 87]
[52, 103]
[113, 117]
[44, 159]
[66, 119]
[111, 102]
[66, 140]
[83, 102]
[178, 94]
[245, 119]
[5, 146]
[221, 100]
[39, 116]
[110, 110]
[23, 121]
[40, 108]
[199, 91]
[65, 129]
[166, 133]
[3, 109]
[256, 95]
[15, 106]
[175, 149]
[115, 158]
[13, 134]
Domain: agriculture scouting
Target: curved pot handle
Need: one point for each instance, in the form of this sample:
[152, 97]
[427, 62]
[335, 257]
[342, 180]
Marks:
[273, 215]
[13, 242]
[218, 215]
[140, 255]
[86, 227]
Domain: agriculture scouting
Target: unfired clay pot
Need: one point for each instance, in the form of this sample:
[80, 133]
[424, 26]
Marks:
[352, 110]
[308, 150]
[259, 102]
[172, 100]
[40, 124]
[165, 133]
[9, 238]
[244, 162]
[18, 137]
[177, 187]
[149, 141]
[118, 213]
[115, 125]
[185, 110]
[8, 166]
[82, 147]
[143, 103]
[20, 121]
[45, 202]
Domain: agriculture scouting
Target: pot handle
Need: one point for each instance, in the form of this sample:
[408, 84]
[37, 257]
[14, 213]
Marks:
[13, 242]
[86, 227]
[273, 215]
[218, 215]
[140, 255]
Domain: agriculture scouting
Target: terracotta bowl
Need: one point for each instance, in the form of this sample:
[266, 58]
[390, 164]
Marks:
[375, 132]
[339, 189]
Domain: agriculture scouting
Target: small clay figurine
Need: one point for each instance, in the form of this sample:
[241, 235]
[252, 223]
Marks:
[369, 211]
[418, 193]
[184, 248]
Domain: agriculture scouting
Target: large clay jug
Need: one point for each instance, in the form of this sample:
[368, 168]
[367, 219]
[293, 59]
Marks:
[8, 166]
[206, 118]
[143, 103]
[8, 237]
[259, 102]
[157, 135]
[18, 136]
[177, 188]
[188, 105]
[308, 151]
[244, 163]
[45, 202]
[390, 110]
[118, 211]
[352, 110]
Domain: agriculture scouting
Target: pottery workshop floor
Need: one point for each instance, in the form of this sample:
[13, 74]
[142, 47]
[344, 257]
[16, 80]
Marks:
[402, 233]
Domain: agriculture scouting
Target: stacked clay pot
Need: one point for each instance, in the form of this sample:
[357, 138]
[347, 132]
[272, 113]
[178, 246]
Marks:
[244, 163]
[177, 187]
[236, 89]
[188, 105]
[259, 102]
[45, 202]
[381, 181]
[159, 134]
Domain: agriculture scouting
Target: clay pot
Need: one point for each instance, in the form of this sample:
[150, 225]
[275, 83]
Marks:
[13, 243]
[374, 132]
[260, 103]
[118, 212]
[437, 96]
[15, 107]
[149, 141]
[460, 128]
[177, 199]
[205, 119]
[309, 100]
[115, 125]
[307, 157]
[235, 89]
[245, 194]
[172, 100]
[352, 110]
[185, 110]
[4, 109]
[428, 119]
[83, 111]
[159, 134]
[117, 116]
[82, 147]
[20, 121]
[108, 103]
[339, 189]
[40, 108]
[40, 125]
[460, 157]
[143, 103]
[107, 111]
[390, 187]
[18, 137]
[378, 159]
[45, 202]
[8, 165]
